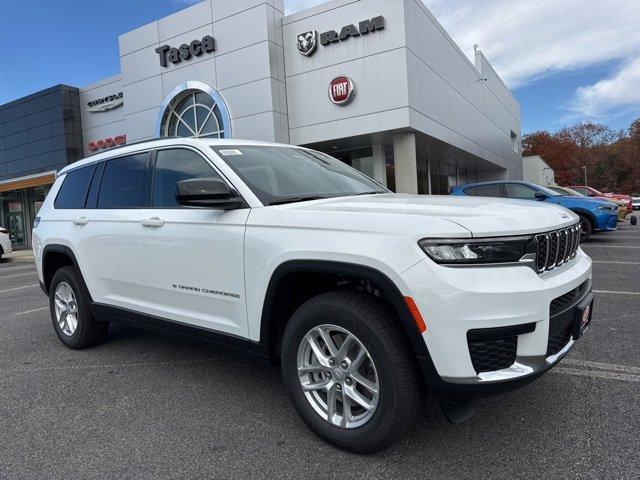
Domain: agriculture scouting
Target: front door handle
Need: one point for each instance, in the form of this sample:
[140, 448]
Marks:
[153, 222]
[80, 221]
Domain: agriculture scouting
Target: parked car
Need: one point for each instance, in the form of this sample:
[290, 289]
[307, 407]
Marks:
[573, 193]
[635, 202]
[567, 191]
[5, 242]
[595, 214]
[592, 192]
[367, 299]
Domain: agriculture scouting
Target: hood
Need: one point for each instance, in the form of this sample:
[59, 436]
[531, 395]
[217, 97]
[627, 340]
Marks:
[482, 216]
[584, 202]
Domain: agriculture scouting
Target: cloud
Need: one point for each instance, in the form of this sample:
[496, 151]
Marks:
[527, 40]
[618, 92]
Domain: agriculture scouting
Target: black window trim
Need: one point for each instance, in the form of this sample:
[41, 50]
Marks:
[94, 187]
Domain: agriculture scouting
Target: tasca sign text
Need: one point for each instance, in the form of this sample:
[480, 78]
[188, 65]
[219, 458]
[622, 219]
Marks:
[364, 27]
[184, 51]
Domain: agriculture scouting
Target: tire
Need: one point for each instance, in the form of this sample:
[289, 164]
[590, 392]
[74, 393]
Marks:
[388, 361]
[586, 228]
[87, 331]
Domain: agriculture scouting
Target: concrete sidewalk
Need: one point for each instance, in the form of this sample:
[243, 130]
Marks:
[18, 256]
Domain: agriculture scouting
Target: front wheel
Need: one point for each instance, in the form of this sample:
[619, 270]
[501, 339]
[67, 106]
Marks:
[586, 229]
[349, 372]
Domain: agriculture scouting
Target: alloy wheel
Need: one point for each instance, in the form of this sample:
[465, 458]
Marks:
[66, 309]
[338, 376]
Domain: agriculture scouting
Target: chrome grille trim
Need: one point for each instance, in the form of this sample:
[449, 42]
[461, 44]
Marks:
[558, 247]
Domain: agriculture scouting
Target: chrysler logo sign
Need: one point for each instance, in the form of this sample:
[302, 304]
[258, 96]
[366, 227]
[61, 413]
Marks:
[307, 42]
[184, 51]
[341, 90]
[105, 103]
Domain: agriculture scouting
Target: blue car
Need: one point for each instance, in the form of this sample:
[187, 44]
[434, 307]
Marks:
[595, 214]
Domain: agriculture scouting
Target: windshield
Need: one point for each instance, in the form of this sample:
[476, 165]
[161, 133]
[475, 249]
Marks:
[567, 191]
[283, 174]
[548, 191]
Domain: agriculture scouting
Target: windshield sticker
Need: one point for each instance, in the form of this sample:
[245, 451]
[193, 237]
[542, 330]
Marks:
[230, 152]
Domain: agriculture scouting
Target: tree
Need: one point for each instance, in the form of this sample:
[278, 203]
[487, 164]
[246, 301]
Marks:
[612, 159]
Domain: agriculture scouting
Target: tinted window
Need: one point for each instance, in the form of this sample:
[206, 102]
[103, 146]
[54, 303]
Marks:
[73, 192]
[524, 192]
[492, 190]
[124, 182]
[173, 166]
[581, 190]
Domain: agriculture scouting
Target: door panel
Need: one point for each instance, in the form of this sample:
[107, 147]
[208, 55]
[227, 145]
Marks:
[108, 252]
[109, 229]
[192, 259]
[192, 267]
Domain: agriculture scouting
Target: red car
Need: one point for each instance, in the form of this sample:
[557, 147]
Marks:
[620, 197]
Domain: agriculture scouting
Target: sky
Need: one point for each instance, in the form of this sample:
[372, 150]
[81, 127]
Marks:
[564, 60]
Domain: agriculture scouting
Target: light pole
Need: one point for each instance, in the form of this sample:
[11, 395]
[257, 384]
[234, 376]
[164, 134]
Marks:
[585, 175]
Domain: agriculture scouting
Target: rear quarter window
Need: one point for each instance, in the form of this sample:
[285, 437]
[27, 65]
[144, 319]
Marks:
[73, 192]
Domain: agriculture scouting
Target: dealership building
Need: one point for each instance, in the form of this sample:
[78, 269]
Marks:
[378, 84]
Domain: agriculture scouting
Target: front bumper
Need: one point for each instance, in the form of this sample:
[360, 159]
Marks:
[456, 302]
[607, 221]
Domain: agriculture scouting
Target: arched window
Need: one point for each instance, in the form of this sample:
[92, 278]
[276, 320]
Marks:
[194, 112]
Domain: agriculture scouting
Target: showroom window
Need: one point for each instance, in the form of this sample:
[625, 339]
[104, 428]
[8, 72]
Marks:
[194, 110]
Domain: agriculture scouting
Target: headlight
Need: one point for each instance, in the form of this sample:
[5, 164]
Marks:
[608, 208]
[475, 251]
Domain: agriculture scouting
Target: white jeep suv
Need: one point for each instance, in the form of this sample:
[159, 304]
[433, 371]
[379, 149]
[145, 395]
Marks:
[367, 298]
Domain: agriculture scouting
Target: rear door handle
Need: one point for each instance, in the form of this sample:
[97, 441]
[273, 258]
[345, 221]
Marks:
[80, 221]
[153, 222]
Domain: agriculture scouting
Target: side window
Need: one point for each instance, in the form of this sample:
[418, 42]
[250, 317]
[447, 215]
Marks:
[173, 166]
[492, 190]
[581, 190]
[523, 192]
[75, 186]
[124, 182]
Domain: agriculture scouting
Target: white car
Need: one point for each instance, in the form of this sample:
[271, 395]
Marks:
[367, 298]
[635, 201]
[5, 242]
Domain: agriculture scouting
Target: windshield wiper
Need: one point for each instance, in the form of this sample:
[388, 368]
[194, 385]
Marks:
[296, 199]
[373, 192]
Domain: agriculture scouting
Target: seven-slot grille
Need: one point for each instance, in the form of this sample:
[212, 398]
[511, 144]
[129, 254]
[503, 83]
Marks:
[556, 248]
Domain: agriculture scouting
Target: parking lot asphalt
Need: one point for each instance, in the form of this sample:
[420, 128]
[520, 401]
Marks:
[147, 406]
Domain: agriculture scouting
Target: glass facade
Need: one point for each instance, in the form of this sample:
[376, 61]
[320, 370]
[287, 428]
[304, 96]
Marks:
[18, 208]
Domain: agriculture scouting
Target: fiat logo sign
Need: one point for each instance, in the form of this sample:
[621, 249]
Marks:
[341, 90]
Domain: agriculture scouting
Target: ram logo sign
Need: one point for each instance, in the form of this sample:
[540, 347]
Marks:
[307, 42]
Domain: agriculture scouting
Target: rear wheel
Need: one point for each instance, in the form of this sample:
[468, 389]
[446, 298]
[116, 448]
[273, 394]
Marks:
[586, 229]
[72, 319]
[349, 373]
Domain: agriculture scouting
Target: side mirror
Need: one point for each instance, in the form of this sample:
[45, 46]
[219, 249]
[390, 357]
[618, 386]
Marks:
[207, 192]
[541, 196]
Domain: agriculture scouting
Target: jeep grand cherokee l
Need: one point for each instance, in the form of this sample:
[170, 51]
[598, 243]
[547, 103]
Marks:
[368, 299]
